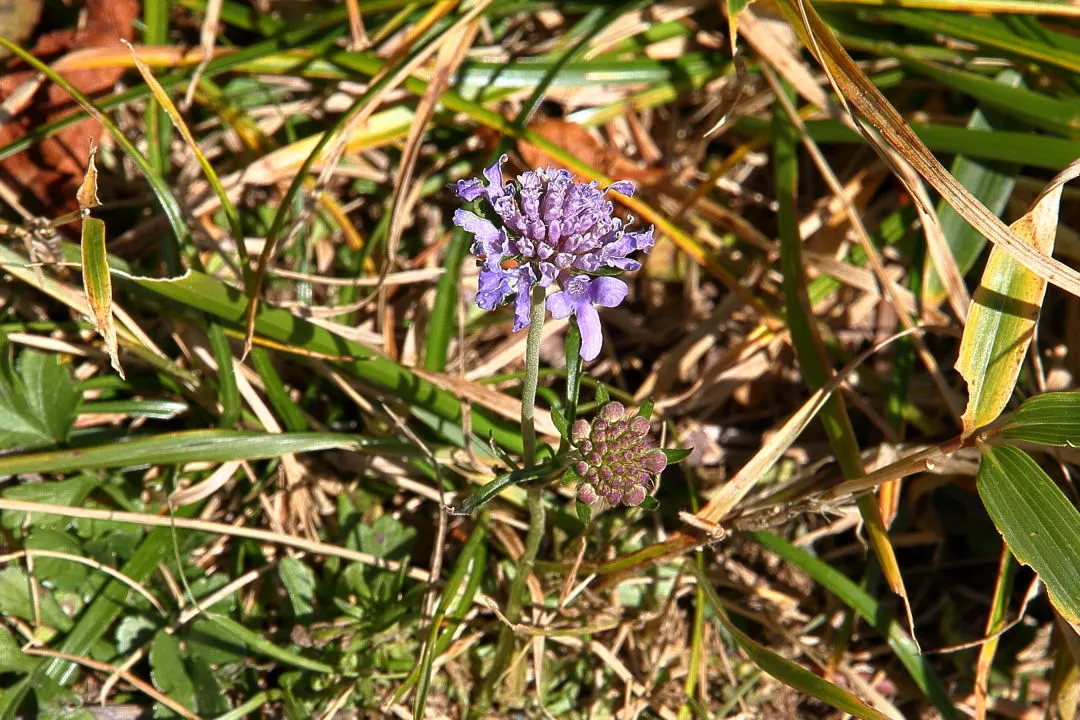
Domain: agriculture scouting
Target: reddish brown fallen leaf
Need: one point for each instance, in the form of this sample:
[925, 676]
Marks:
[577, 140]
[52, 170]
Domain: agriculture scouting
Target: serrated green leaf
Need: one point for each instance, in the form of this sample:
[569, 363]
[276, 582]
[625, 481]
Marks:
[649, 504]
[132, 631]
[1040, 525]
[63, 575]
[1047, 419]
[299, 581]
[209, 695]
[169, 674]
[646, 408]
[68, 492]
[602, 394]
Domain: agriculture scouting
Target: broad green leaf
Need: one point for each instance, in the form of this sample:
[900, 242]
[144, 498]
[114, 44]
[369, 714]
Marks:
[51, 393]
[991, 184]
[11, 655]
[1040, 525]
[193, 446]
[299, 582]
[37, 403]
[209, 695]
[63, 575]
[1003, 314]
[168, 672]
[97, 284]
[1047, 419]
[16, 599]
[869, 610]
[791, 674]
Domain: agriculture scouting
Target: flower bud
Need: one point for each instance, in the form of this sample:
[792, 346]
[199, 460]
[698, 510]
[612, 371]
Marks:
[655, 461]
[635, 496]
[612, 411]
[580, 431]
[639, 425]
[586, 493]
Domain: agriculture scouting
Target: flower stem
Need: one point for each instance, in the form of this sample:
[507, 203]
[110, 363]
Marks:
[532, 374]
[504, 647]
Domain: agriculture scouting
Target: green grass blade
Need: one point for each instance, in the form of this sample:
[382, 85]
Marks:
[858, 600]
[1040, 525]
[1048, 419]
[214, 446]
[790, 673]
[232, 630]
[211, 296]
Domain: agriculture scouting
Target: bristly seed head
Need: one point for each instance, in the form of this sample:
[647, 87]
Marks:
[615, 457]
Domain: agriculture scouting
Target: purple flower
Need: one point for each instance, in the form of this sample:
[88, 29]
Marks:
[547, 228]
[579, 298]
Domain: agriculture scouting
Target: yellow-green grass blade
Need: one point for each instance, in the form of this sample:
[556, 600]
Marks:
[97, 284]
[1002, 318]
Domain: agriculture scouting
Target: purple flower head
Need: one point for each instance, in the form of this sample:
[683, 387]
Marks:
[548, 228]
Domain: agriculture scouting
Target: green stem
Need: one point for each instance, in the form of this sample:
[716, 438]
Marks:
[504, 647]
[532, 374]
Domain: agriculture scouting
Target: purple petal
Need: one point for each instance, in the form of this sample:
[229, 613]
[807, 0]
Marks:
[560, 305]
[607, 291]
[483, 230]
[592, 337]
[623, 187]
[525, 282]
[495, 179]
[469, 190]
[493, 289]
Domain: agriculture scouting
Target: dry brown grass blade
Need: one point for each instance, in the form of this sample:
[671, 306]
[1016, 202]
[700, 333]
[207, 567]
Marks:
[860, 91]
[207, 39]
[889, 288]
[336, 147]
[452, 52]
